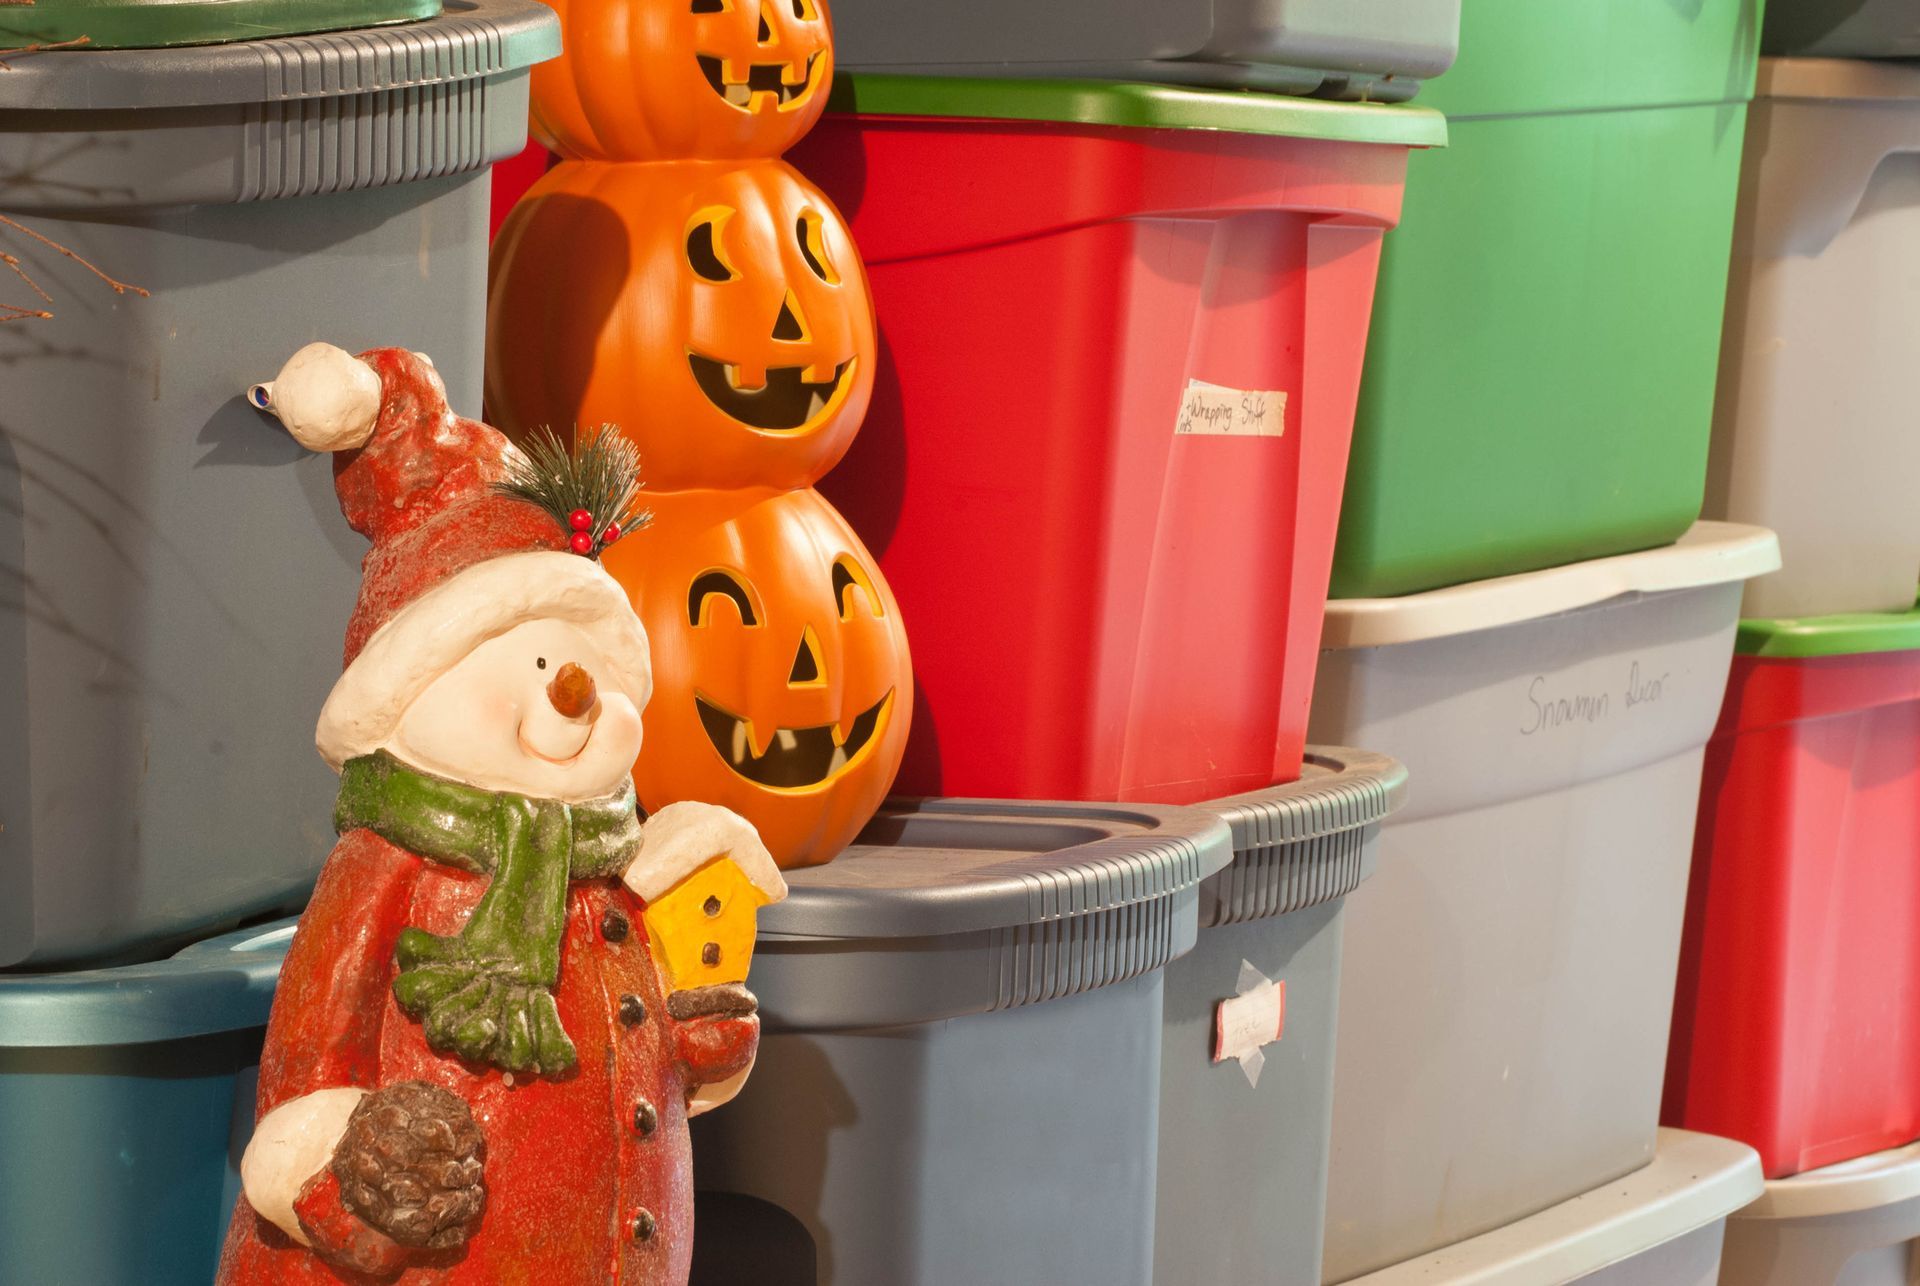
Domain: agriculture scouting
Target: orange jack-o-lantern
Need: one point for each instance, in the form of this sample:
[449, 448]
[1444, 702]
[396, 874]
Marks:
[718, 314]
[663, 80]
[782, 688]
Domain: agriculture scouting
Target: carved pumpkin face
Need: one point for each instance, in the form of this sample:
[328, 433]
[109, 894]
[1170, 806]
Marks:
[782, 684]
[718, 315]
[661, 80]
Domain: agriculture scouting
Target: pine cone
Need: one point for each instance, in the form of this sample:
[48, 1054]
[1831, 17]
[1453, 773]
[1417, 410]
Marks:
[410, 1165]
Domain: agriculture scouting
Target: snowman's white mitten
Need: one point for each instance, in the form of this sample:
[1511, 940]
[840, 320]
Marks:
[328, 398]
[290, 1145]
[681, 838]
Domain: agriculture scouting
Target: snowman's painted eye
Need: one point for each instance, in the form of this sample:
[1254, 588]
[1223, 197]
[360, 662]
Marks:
[540, 661]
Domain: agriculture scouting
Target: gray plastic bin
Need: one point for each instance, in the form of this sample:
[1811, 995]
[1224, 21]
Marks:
[1243, 1166]
[1357, 49]
[1662, 1225]
[126, 1098]
[1852, 1224]
[1507, 974]
[175, 579]
[1842, 28]
[959, 1071]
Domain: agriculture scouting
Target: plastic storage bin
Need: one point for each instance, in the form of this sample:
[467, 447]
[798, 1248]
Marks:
[174, 575]
[1810, 434]
[1797, 1020]
[1114, 564]
[137, 24]
[1243, 1166]
[1663, 1225]
[1843, 28]
[1374, 49]
[126, 1098]
[959, 1072]
[1507, 977]
[1540, 380]
[1853, 1224]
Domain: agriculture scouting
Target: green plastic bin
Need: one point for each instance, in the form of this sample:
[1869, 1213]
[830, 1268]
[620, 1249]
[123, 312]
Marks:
[126, 1098]
[157, 24]
[1540, 374]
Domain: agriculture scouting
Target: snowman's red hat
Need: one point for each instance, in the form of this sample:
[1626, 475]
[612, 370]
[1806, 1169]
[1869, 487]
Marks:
[453, 562]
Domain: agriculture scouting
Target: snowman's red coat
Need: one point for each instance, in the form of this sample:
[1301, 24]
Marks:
[568, 1169]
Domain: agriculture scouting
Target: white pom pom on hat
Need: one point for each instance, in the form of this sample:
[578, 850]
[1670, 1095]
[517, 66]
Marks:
[328, 398]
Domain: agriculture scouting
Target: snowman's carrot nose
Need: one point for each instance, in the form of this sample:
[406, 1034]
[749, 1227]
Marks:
[572, 692]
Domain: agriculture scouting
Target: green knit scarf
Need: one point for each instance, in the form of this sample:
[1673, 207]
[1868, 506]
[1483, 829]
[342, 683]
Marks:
[485, 994]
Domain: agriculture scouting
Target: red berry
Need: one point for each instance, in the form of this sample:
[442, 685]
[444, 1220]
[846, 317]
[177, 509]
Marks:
[580, 520]
[611, 534]
[582, 543]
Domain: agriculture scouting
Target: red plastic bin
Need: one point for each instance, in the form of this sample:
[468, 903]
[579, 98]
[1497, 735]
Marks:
[1797, 1017]
[1103, 607]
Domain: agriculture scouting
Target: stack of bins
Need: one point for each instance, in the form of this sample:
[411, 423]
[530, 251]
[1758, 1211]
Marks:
[1507, 976]
[126, 1098]
[1795, 1029]
[1151, 347]
[175, 575]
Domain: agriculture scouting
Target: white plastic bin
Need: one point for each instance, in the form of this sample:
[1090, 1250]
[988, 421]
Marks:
[1852, 1224]
[1813, 429]
[1508, 972]
[1661, 1226]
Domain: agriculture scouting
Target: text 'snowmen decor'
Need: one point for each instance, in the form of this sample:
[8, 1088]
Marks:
[507, 994]
[673, 276]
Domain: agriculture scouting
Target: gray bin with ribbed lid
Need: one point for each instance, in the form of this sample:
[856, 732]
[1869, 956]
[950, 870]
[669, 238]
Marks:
[175, 577]
[959, 1071]
[1243, 1167]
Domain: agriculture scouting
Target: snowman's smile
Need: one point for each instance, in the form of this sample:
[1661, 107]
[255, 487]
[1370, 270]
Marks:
[796, 758]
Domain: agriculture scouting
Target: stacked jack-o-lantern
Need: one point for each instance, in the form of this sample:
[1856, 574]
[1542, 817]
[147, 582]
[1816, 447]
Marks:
[673, 276]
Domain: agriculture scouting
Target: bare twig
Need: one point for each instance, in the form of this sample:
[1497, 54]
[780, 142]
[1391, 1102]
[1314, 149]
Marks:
[40, 47]
[17, 312]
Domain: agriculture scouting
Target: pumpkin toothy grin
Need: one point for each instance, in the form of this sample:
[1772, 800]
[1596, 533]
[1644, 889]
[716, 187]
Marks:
[783, 83]
[787, 402]
[796, 757]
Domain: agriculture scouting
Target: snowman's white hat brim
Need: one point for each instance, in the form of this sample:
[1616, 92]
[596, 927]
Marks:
[430, 635]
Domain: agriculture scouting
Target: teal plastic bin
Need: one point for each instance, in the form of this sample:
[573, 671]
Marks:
[126, 1097]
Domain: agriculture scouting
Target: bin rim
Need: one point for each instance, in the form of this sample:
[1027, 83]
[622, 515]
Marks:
[164, 24]
[1710, 553]
[222, 984]
[1134, 105]
[467, 40]
[1692, 1181]
[1842, 634]
[1151, 853]
[1838, 79]
[1340, 789]
[1865, 1183]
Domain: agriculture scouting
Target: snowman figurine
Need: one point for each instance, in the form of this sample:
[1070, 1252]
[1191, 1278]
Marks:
[480, 1062]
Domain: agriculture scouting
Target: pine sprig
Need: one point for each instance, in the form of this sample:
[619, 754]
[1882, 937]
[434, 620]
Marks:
[600, 475]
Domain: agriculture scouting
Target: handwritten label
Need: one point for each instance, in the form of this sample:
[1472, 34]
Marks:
[1547, 708]
[1250, 1021]
[1215, 411]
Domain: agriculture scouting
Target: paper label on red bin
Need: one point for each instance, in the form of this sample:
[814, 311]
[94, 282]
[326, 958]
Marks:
[1216, 411]
[1249, 1021]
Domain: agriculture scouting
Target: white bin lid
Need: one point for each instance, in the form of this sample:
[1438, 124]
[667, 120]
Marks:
[1868, 1183]
[1711, 553]
[1693, 1180]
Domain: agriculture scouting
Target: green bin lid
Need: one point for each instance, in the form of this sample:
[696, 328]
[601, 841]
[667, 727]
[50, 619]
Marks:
[156, 24]
[1848, 634]
[1100, 102]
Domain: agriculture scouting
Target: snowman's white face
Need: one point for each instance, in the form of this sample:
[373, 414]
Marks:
[504, 718]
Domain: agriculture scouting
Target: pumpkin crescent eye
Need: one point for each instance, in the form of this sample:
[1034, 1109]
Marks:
[803, 10]
[811, 232]
[712, 6]
[706, 252]
[707, 586]
[846, 574]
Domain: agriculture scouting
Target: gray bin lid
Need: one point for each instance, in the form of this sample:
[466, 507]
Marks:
[223, 984]
[933, 867]
[152, 24]
[469, 40]
[1303, 843]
